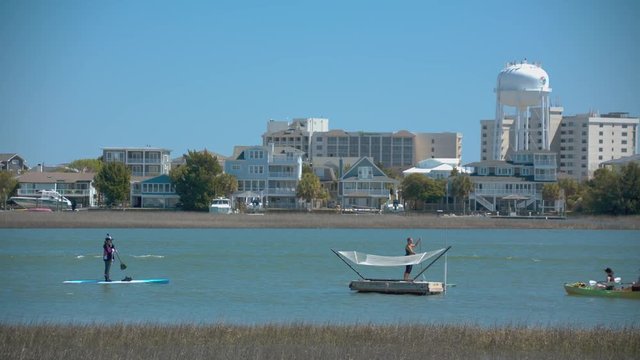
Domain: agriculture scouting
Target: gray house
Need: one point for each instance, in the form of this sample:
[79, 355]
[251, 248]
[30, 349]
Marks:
[364, 186]
[13, 162]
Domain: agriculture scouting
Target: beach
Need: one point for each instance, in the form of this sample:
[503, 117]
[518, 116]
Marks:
[130, 218]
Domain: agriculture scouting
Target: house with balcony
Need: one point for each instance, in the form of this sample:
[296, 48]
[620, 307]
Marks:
[13, 162]
[156, 193]
[268, 173]
[364, 186]
[77, 187]
[513, 186]
[142, 161]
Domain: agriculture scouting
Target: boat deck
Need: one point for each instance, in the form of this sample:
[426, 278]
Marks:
[397, 287]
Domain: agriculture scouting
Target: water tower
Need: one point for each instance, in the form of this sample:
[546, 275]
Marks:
[522, 86]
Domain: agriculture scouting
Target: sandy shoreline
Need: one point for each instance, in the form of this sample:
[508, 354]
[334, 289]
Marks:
[179, 219]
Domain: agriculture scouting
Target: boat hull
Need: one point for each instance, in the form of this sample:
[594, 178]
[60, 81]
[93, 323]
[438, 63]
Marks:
[36, 203]
[587, 290]
[397, 287]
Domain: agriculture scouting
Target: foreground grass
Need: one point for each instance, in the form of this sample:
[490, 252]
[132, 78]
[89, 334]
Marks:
[299, 341]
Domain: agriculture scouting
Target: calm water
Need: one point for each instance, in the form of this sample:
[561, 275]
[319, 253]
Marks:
[258, 276]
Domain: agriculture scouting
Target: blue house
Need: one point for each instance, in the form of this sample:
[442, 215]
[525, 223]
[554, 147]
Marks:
[155, 192]
[268, 173]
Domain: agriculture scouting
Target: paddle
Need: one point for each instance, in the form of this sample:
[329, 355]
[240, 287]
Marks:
[122, 265]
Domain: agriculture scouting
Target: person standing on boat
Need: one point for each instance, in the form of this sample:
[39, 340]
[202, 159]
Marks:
[108, 255]
[409, 250]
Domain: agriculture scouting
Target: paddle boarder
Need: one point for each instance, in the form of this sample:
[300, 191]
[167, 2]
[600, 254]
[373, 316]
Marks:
[108, 255]
[408, 250]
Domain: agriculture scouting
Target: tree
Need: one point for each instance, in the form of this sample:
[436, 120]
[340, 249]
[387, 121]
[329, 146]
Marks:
[8, 186]
[461, 186]
[630, 188]
[114, 182]
[309, 187]
[86, 165]
[419, 188]
[195, 181]
[604, 195]
[225, 185]
[573, 191]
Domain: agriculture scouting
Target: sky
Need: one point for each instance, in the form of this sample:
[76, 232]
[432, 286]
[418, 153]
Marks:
[78, 76]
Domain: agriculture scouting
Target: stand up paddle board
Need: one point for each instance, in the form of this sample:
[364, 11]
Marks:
[102, 282]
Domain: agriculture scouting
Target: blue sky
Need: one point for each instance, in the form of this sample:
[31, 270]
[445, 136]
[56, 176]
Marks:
[77, 76]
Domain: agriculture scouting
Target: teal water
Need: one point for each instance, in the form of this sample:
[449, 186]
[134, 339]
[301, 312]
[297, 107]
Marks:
[257, 276]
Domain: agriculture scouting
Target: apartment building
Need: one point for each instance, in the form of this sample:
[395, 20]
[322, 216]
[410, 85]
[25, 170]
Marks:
[142, 161]
[487, 133]
[399, 150]
[585, 141]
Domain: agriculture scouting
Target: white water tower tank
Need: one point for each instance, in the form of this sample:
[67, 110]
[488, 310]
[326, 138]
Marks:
[520, 85]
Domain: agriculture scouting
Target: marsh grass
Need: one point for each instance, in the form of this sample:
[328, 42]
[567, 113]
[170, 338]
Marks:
[300, 341]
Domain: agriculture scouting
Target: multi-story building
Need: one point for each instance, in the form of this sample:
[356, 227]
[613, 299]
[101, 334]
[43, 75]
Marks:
[513, 185]
[398, 150]
[268, 172]
[13, 162]
[487, 133]
[445, 145]
[392, 150]
[365, 187]
[582, 141]
[77, 187]
[142, 161]
[296, 134]
[155, 192]
[587, 140]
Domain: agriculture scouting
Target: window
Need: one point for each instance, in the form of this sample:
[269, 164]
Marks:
[256, 169]
[365, 172]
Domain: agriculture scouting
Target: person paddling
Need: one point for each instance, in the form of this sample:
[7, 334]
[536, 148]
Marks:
[108, 255]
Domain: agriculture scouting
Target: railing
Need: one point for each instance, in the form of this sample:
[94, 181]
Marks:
[505, 192]
[283, 159]
[283, 174]
[281, 191]
[376, 192]
[63, 192]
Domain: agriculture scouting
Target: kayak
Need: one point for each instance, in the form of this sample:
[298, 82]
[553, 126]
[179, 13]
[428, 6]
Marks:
[581, 288]
[102, 282]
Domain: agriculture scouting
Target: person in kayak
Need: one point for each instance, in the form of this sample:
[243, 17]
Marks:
[108, 255]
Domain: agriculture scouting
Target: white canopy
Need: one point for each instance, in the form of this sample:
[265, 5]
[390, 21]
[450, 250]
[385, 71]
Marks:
[360, 258]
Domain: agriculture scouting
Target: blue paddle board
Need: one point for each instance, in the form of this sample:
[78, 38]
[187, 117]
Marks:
[102, 282]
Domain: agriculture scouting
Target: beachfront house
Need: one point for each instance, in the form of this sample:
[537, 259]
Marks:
[13, 162]
[77, 187]
[514, 186]
[157, 193]
[267, 175]
[365, 186]
[142, 161]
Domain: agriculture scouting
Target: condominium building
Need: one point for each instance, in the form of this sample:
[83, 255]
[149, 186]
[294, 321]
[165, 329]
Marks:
[399, 150]
[142, 161]
[438, 145]
[296, 134]
[535, 133]
[392, 150]
[587, 140]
